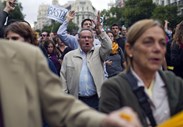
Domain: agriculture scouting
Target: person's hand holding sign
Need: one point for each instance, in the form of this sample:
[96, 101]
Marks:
[70, 16]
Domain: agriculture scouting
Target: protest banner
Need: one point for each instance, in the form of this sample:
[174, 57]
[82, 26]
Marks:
[57, 13]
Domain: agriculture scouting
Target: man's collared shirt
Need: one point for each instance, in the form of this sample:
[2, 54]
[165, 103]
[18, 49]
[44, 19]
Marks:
[86, 83]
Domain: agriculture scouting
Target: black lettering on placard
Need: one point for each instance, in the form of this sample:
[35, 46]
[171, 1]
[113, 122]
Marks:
[50, 10]
[62, 13]
[56, 12]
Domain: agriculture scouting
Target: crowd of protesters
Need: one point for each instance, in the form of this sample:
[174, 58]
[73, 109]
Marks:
[138, 67]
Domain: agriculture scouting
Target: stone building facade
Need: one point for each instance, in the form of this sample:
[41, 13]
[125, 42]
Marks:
[42, 19]
[168, 2]
[179, 3]
[83, 8]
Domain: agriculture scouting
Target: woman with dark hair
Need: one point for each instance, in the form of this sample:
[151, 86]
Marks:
[20, 31]
[61, 48]
[50, 47]
[114, 62]
[154, 94]
[177, 50]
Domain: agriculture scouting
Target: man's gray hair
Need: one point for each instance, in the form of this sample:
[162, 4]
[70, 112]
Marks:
[79, 33]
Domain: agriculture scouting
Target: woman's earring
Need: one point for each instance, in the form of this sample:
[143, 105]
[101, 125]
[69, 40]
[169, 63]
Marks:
[130, 55]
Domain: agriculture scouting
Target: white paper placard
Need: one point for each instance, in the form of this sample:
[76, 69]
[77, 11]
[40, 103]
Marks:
[57, 13]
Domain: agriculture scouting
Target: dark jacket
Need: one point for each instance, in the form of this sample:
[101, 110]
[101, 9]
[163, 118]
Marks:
[117, 63]
[177, 59]
[121, 42]
[116, 93]
[55, 61]
[3, 16]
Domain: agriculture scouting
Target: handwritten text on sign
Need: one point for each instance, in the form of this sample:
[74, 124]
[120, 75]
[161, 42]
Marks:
[57, 13]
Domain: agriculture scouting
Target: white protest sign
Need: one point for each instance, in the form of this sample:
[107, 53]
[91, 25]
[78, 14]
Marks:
[57, 13]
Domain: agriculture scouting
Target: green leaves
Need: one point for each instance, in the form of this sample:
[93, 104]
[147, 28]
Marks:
[138, 9]
[167, 13]
[135, 10]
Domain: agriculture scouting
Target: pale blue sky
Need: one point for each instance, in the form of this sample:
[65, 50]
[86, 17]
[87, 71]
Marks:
[30, 7]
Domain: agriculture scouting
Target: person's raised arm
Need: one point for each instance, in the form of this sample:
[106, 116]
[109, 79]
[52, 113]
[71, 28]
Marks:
[68, 40]
[106, 43]
[10, 6]
[166, 28]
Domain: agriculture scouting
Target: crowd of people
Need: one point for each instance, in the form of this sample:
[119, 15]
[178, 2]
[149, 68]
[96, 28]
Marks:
[91, 79]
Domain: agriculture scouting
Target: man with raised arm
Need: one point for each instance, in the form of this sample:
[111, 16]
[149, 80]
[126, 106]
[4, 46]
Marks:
[70, 40]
